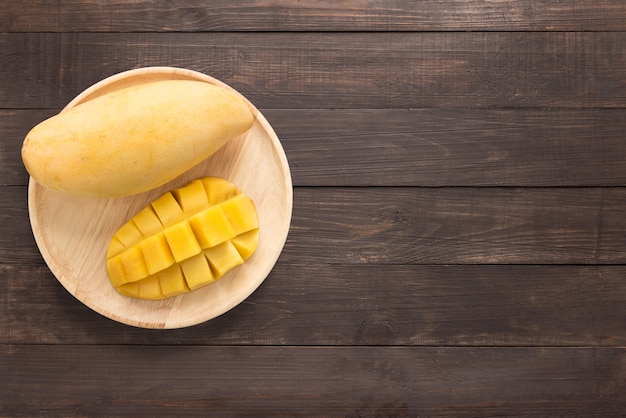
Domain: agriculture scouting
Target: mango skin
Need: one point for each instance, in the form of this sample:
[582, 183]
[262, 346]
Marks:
[134, 139]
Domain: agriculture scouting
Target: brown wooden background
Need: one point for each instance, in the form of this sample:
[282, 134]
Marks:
[458, 241]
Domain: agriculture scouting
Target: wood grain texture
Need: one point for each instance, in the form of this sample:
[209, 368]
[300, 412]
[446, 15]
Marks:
[335, 70]
[441, 147]
[458, 225]
[423, 226]
[396, 305]
[281, 15]
[420, 147]
[311, 381]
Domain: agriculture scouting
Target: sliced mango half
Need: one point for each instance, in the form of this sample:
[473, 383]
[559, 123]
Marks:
[186, 239]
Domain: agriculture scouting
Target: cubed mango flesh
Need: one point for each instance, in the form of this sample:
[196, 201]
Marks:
[186, 239]
[197, 271]
[211, 226]
[222, 258]
[167, 209]
[147, 222]
[192, 197]
[172, 281]
[156, 253]
[182, 241]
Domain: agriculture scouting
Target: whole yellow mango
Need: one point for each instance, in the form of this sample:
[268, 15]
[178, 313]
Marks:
[134, 139]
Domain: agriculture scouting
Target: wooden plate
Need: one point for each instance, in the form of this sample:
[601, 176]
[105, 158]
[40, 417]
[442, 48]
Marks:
[73, 233]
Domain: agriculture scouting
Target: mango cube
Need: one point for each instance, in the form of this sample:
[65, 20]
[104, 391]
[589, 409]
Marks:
[128, 234]
[211, 227]
[241, 214]
[129, 289]
[150, 288]
[182, 241]
[246, 243]
[167, 209]
[197, 272]
[147, 221]
[116, 271]
[219, 190]
[134, 264]
[172, 281]
[192, 197]
[115, 247]
[222, 258]
[156, 253]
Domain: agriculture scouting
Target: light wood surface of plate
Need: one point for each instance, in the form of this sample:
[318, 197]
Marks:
[73, 233]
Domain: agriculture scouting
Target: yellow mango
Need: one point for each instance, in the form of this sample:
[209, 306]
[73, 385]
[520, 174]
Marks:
[116, 271]
[246, 243]
[182, 241]
[168, 282]
[134, 139]
[191, 197]
[150, 288]
[211, 227]
[240, 213]
[147, 221]
[197, 271]
[172, 281]
[167, 209]
[128, 234]
[185, 239]
[129, 289]
[222, 258]
[115, 247]
[133, 264]
[156, 253]
[218, 190]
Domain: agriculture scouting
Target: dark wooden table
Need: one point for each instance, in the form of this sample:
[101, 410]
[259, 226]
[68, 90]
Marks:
[458, 241]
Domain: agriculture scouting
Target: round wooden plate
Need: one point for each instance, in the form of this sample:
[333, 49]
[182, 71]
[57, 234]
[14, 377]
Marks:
[73, 233]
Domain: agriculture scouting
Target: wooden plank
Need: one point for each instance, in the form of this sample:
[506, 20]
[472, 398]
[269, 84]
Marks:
[441, 147]
[279, 15]
[422, 226]
[453, 305]
[310, 381]
[458, 225]
[335, 70]
[420, 147]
